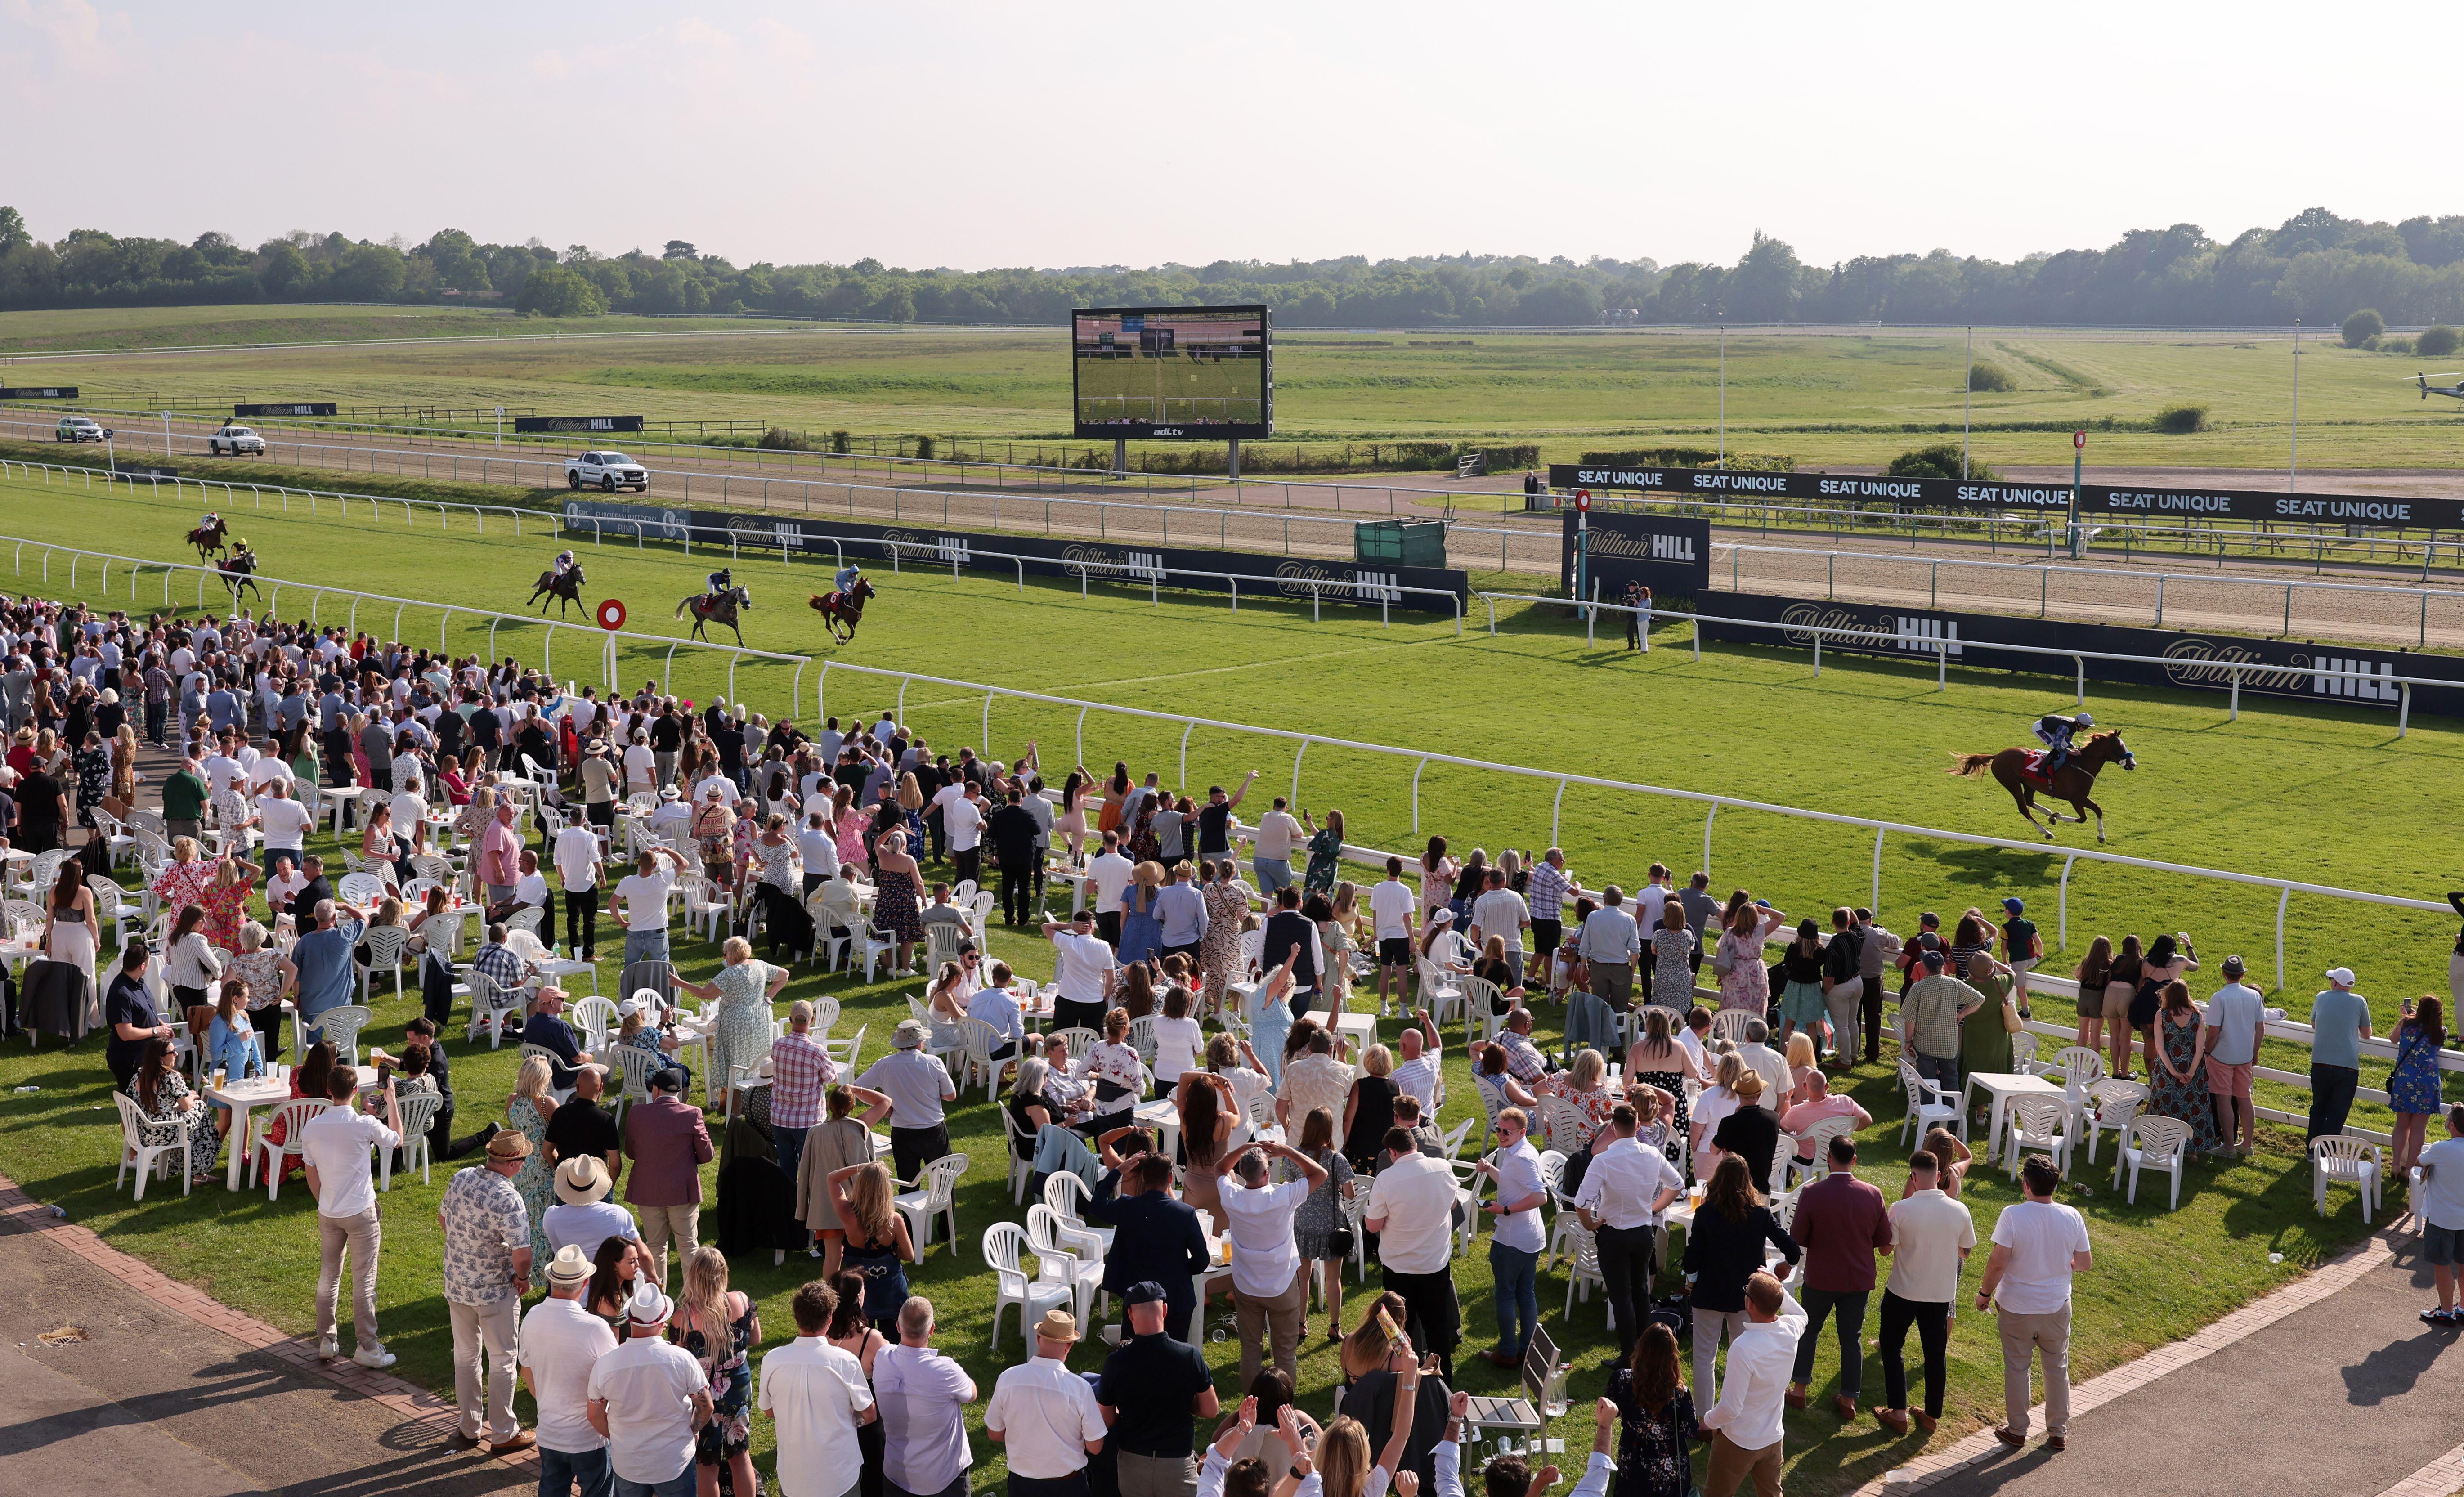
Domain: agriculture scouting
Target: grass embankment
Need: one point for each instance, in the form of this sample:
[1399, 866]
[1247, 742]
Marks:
[1869, 740]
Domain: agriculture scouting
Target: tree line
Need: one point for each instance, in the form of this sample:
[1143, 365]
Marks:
[2316, 266]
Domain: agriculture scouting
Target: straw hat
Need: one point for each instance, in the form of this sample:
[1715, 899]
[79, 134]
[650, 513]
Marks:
[1057, 1325]
[582, 1180]
[570, 1266]
[507, 1144]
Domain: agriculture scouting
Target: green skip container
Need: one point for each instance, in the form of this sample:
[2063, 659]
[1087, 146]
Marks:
[1400, 542]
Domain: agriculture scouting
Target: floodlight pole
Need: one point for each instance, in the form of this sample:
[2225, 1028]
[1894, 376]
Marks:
[1724, 387]
[1967, 404]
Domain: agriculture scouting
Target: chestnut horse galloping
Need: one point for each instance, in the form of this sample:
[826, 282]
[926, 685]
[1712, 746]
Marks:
[2072, 782]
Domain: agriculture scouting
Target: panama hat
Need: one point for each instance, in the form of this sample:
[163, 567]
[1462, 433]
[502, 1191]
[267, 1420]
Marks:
[582, 1180]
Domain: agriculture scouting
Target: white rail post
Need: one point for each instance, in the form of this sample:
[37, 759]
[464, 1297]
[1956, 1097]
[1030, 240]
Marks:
[493, 621]
[1415, 794]
[1554, 807]
[1708, 817]
[2160, 600]
[985, 732]
[2283, 897]
[1876, 901]
[906, 681]
[1492, 616]
[1297, 755]
[1181, 781]
[2062, 908]
[1941, 664]
[667, 670]
[731, 675]
[2079, 686]
[1817, 653]
[2403, 709]
[2237, 698]
[796, 699]
[1082, 737]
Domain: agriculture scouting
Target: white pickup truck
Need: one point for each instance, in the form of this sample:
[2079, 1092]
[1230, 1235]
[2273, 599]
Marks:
[607, 472]
[234, 440]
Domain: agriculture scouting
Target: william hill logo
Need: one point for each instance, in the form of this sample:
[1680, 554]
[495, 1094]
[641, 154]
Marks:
[1656, 545]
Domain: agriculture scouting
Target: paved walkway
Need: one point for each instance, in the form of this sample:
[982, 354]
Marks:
[182, 1397]
[2328, 1388]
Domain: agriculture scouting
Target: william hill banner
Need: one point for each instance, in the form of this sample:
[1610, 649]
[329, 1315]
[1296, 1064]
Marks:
[1420, 588]
[1670, 554]
[1857, 490]
[2346, 674]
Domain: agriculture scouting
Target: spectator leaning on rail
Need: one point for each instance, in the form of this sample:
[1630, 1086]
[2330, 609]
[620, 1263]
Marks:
[2340, 1021]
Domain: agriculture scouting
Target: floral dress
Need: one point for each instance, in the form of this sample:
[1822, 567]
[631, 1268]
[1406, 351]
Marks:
[2412, 1087]
[1218, 954]
[1325, 852]
[162, 1123]
[777, 867]
[1654, 1451]
[181, 885]
[852, 825]
[1672, 969]
[1594, 1105]
[93, 782]
[894, 908]
[226, 906]
[534, 1179]
[2174, 1097]
[1747, 984]
[746, 1028]
[1674, 1084]
[1319, 1215]
[1117, 1064]
[730, 1431]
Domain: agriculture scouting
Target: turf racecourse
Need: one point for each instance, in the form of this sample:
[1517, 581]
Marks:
[2319, 795]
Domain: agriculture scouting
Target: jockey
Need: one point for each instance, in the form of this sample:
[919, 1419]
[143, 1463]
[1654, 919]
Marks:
[848, 577]
[718, 585]
[562, 564]
[2054, 731]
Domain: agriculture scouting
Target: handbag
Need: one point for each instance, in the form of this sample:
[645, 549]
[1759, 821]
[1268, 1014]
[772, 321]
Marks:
[1339, 1243]
[1724, 960]
[2012, 1024]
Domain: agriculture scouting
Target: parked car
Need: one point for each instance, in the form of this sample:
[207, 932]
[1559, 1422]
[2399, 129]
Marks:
[79, 428]
[607, 472]
[235, 440]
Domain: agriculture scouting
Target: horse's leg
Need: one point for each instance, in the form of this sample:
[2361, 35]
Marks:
[2091, 805]
[2022, 797]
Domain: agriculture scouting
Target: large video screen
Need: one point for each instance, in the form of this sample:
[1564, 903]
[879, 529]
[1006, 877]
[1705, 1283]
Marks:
[1173, 371]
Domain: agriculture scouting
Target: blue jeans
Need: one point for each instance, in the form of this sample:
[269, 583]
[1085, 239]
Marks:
[789, 1143]
[684, 1484]
[1518, 1295]
[1941, 1069]
[1273, 873]
[561, 1473]
[645, 946]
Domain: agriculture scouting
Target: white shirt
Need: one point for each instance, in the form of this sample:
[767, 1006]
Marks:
[815, 1391]
[1518, 1178]
[267, 770]
[1623, 1180]
[2041, 1236]
[819, 850]
[286, 822]
[1177, 1042]
[1277, 832]
[1415, 1200]
[1391, 905]
[409, 812]
[1501, 911]
[1419, 1077]
[964, 821]
[1773, 1068]
[2442, 1184]
[220, 770]
[1650, 901]
[1047, 1414]
[1110, 872]
[576, 857]
[725, 787]
[560, 1341]
[1761, 1359]
[1264, 1257]
[336, 1142]
[1078, 973]
[531, 889]
[648, 1384]
[641, 769]
[646, 900]
[1929, 1232]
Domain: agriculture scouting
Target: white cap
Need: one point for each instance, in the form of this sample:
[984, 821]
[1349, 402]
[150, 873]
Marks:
[2342, 976]
[629, 1009]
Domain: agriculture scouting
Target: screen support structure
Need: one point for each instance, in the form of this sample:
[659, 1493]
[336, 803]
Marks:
[1120, 457]
[1235, 461]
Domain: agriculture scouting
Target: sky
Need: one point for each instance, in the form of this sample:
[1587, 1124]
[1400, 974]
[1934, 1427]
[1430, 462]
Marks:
[1031, 133]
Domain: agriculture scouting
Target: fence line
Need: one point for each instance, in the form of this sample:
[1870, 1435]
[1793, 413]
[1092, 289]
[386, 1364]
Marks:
[1713, 802]
[1941, 646]
[446, 611]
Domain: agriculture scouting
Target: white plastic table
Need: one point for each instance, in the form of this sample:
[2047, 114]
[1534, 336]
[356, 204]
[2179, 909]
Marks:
[2004, 1088]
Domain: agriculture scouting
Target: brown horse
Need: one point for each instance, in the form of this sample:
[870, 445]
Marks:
[210, 539]
[2072, 782]
[842, 608]
[565, 590]
[725, 610]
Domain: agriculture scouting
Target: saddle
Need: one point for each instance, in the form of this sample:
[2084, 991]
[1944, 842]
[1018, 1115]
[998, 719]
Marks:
[2033, 770]
[831, 600]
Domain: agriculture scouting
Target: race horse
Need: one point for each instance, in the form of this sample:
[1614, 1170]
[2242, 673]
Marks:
[565, 590]
[211, 540]
[238, 572]
[845, 610]
[2018, 771]
[730, 605]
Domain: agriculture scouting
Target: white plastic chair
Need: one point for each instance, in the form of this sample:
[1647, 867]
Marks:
[526, 918]
[386, 944]
[340, 1026]
[2337, 1160]
[111, 903]
[1005, 1248]
[706, 907]
[1064, 1257]
[2156, 1143]
[595, 1017]
[490, 1006]
[2043, 1124]
[828, 916]
[826, 1013]
[1818, 1138]
[151, 1158]
[2113, 1104]
[1142, 1037]
[117, 837]
[636, 1066]
[1067, 1196]
[976, 1042]
[1021, 1156]
[2077, 1064]
[980, 910]
[931, 1196]
[942, 941]
[1583, 1269]
[1480, 999]
[562, 1094]
[364, 890]
[1925, 1106]
[418, 1112]
[1730, 1025]
[877, 944]
[2023, 1054]
[293, 1114]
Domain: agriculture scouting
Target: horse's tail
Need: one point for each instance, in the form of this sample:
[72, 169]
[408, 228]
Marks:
[820, 604]
[682, 607]
[1969, 763]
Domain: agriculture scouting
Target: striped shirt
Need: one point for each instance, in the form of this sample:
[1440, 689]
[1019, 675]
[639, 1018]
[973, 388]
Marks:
[1548, 888]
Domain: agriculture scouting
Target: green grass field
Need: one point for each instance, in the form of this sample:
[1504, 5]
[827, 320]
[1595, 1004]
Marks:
[1821, 398]
[2288, 791]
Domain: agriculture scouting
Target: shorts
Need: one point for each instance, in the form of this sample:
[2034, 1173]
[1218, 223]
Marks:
[2116, 1003]
[2229, 1081]
[1394, 951]
[2438, 1244]
[1547, 936]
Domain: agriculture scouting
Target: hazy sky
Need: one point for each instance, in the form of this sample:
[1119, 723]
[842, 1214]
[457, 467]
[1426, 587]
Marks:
[976, 135]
